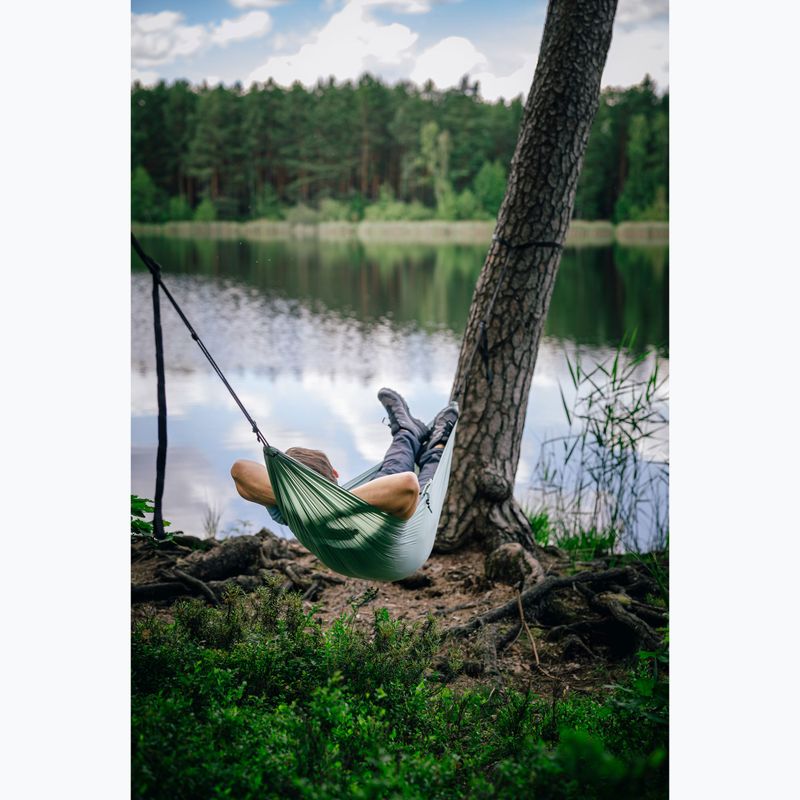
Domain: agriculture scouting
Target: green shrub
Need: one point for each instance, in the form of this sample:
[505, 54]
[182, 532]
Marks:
[656, 211]
[331, 210]
[206, 211]
[302, 214]
[267, 204]
[140, 527]
[387, 209]
[147, 200]
[255, 700]
[179, 209]
[467, 207]
[489, 187]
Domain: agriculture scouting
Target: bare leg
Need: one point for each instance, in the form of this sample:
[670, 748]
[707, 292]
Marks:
[396, 494]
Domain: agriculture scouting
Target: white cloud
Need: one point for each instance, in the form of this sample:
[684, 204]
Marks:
[257, 3]
[635, 52]
[447, 62]
[161, 38]
[354, 41]
[145, 77]
[403, 6]
[350, 43]
[249, 26]
[638, 12]
[493, 87]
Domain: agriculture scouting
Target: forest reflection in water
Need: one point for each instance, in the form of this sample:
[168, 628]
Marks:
[308, 331]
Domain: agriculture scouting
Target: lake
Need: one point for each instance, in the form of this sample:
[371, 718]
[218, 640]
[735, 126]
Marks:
[307, 331]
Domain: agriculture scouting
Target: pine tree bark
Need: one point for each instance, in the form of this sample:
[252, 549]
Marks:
[537, 207]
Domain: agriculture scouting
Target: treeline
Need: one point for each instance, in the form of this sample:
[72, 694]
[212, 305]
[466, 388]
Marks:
[369, 150]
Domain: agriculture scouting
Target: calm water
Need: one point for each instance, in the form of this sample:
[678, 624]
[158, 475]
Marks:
[307, 332]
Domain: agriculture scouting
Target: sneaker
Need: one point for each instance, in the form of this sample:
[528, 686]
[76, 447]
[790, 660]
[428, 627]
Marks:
[442, 426]
[399, 415]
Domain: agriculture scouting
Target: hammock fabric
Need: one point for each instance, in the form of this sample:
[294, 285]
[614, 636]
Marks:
[348, 534]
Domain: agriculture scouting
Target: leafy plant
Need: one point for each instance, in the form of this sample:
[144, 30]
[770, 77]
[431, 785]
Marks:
[179, 209]
[540, 527]
[206, 211]
[140, 527]
[256, 700]
[586, 545]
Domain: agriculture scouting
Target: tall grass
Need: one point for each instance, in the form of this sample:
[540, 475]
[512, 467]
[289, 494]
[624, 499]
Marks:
[603, 485]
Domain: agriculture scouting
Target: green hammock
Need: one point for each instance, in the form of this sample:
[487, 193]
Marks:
[348, 534]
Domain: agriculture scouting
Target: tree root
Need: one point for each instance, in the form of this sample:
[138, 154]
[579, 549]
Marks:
[461, 607]
[612, 605]
[531, 597]
[196, 583]
[163, 590]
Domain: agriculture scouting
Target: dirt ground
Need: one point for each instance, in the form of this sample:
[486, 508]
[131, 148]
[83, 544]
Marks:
[454, 589]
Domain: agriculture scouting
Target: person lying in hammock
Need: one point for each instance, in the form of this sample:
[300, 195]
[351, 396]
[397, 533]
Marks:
[396, 487]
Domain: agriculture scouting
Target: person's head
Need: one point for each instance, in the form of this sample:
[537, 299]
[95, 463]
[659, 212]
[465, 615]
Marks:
[314, 459]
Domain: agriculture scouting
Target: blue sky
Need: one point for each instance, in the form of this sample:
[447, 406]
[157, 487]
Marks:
[494, 42]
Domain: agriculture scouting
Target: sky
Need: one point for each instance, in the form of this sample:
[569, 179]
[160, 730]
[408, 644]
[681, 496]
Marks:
[495, 43]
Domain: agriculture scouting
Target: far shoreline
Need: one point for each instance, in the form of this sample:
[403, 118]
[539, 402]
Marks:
[581, 233]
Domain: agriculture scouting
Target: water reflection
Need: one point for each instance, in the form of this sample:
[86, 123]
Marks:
[601, 291]
[307, 332]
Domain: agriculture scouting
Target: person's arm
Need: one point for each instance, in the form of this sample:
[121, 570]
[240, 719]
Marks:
[252, 482]
[395, 494]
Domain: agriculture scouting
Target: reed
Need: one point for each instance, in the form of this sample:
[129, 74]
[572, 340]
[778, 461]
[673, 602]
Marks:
[603, 485]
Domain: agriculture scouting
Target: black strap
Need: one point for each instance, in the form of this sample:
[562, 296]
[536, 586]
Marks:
[161, 457]
[483, 349]
[482, 341]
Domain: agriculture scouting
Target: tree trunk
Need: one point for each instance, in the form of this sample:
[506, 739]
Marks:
[537, 207]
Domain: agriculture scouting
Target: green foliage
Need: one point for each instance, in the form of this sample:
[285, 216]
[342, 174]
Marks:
[331, 210]
[588, 544]
[540, 527]
[302, 214]
[656, 211]
[490, 187]
[256, 700]
[344, 141]
[627, 158]
[146, 199]
[387, 209]
[179, 209]
[140, 527]
[267, 205]
[206, 211]
[467, 207]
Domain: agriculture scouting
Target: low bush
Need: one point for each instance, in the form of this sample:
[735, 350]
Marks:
[206, 211]
[178, 209]
[387, 209]
[256, 700]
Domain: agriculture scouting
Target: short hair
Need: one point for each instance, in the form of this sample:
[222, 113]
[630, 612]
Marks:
[314, 459]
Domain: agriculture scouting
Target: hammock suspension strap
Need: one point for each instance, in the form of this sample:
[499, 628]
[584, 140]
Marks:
[161, 458]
